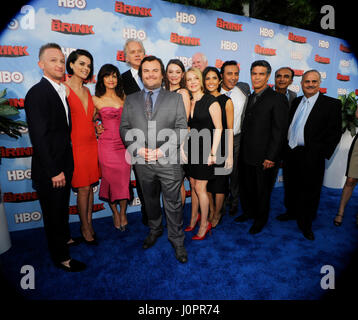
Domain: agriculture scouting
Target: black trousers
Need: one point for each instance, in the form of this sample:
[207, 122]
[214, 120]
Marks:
[234, 176]
[255, 191]
[54, 204]
[303, 172]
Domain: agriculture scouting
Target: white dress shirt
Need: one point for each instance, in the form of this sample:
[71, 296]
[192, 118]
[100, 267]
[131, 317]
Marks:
[61, 90]
[238, 100]
[136, 78]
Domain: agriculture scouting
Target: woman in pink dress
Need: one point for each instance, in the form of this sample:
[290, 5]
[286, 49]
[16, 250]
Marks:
[108, 100]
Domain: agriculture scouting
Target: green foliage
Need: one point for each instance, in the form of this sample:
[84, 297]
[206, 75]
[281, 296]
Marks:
[7, 125]
[349, 108]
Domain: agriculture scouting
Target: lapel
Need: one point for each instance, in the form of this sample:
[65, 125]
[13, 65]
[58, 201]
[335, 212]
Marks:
[262, 96]
[60, 108]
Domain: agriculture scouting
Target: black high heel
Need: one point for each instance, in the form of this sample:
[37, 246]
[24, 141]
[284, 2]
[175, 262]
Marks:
[336, 222]
[93, 242]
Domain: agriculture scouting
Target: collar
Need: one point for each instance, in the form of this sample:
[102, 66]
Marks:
[146, 90]
[134, 72]
[312, 100]
[60, 88]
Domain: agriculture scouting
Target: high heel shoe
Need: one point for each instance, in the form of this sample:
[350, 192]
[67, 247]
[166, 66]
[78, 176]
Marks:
[124, 228]
[93, 242]
[208, 229]
[189, 228]
[336, 222]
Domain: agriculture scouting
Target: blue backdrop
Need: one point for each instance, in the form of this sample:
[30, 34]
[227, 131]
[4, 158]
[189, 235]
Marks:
[167, 31]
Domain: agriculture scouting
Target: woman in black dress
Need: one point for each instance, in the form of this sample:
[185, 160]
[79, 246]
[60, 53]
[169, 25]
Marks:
[219, 184]
[205, 127]
[174, 81]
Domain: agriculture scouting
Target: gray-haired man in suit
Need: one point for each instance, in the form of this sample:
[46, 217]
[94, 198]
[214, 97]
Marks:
[154, 118]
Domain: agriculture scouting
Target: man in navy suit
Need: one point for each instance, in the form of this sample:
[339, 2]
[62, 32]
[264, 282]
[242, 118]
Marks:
[314, 132]
[49, 121]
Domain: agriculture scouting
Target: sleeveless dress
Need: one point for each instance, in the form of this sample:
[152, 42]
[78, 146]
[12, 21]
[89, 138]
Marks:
[84, 142]
[198, 154]
[112, 152]
[220, 182]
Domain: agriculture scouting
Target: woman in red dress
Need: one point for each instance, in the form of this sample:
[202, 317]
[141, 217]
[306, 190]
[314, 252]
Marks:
[84, 143]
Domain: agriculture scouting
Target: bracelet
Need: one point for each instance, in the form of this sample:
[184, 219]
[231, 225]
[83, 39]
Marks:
[212, 155]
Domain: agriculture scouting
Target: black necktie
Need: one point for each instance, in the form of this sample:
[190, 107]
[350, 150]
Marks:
[148, 105]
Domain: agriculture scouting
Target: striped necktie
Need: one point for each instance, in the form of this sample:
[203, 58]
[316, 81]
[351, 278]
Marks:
[148, 108]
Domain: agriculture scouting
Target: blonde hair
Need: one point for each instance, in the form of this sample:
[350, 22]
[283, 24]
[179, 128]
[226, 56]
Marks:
[197, 72]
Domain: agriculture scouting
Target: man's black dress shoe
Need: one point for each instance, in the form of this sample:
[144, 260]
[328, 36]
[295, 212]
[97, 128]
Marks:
[74, 266]
[151, 239]
[285, 217]
[308, 234]
[255, 228]
[181, 254]
[244, 217]
[76, 242]
[233, 211]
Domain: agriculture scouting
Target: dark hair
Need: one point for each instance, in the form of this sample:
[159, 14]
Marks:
[74, 55]
[181, 65]
[106, 70]
[261, 63]
[151, 58]
[50, 45]
[288, 68]
[229, 63]
[206, 71]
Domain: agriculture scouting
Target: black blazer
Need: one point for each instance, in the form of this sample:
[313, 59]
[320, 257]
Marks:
[49, 133]
[264, 128]
[129, 84]
[323, 129]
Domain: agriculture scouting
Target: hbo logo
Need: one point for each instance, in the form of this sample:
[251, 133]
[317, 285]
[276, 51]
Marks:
[27, 217]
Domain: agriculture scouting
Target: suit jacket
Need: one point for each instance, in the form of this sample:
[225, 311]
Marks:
[264, 128]
[49, 133]
[323, 128]
[129, 84]
[291, 96]
[169, 115]
[245, 88]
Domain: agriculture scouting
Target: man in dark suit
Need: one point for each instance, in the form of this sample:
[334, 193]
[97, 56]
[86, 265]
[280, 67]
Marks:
[134, 53]
[314, 132]
[49, 121]
[238, 92]
[263, 134]
[283, 79]
[147, 115]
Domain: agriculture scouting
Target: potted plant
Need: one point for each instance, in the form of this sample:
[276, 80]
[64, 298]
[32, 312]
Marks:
[349, 108]
[11, 128]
